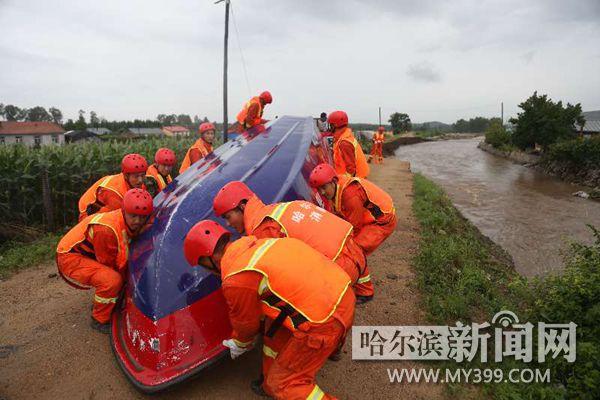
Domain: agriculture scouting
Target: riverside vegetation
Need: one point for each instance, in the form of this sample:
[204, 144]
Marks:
[465, 277]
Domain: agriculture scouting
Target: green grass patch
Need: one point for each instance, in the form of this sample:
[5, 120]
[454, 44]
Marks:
[465, 277]
[17, 255]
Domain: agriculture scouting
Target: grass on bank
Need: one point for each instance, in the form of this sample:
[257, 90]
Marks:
[18, 255]
[465, 277]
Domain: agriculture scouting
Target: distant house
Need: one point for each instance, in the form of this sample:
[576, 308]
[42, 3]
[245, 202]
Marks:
[147, 132]
[100, 131]
[592, 124]
[81, 136]
[176, 130]
[31, 133]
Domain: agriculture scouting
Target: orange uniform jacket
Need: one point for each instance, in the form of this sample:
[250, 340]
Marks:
[348, 157]
[161, 181]
[106, 194]
[251, 114]
[355, 205]
[199, 149]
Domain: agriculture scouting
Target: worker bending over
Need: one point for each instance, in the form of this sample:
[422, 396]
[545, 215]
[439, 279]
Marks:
[365, 205]
[93, 254]
[107, 193]
[323, 231]
[292, 285]
[201, 148]
[158, 175]
[251, 114]
[348, 156]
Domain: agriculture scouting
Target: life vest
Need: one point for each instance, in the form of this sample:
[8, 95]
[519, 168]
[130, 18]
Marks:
[115, 183]
[380, 203]
[112, 219]
[200, 145]
[243, 114]
[153, 173]
[320, 229]
[297, 280]
[378, 138]
[362, 168]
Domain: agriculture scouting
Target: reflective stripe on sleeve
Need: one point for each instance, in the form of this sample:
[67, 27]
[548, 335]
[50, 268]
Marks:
[316, 394]
[269, 352]
[105, 300]
[364, 279]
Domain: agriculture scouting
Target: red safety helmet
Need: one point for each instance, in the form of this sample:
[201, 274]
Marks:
[205, 126]
[230, 196]
[321, 174]
[338, 119]
[137, 201]
[201, 240]
[266, 97]
[164, 156]
[133, 163]
[381, 129]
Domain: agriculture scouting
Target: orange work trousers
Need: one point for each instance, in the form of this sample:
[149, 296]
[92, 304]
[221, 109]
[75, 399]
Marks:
[371, 236]
[377, 153]
[86, 273]
[354, 263]
[292, 373]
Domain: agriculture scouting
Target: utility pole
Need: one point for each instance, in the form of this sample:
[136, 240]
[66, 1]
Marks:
[379, 116]
[225, 122]
[502, 112]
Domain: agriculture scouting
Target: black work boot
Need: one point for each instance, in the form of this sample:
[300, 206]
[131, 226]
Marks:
[100, 327]
[256, 386]
[363, 299]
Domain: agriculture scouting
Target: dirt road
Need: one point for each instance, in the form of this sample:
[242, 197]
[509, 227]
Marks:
[47, 350]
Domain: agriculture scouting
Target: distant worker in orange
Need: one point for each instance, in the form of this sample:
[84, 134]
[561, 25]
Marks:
[201, 148]
[348, 156]
[251, 114]
[323, 231]
[93, 254]
[377, 149]
[365, 205]
[107, 193]
[289, 283]
[158, 175]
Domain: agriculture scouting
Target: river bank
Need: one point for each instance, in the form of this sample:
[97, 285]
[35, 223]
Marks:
[585, 177]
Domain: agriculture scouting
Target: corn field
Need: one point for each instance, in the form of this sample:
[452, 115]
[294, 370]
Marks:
[65, 172]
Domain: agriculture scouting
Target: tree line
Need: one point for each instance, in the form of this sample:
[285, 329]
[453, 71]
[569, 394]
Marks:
[11, 112]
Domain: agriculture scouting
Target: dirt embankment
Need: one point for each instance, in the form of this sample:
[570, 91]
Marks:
[49, 352]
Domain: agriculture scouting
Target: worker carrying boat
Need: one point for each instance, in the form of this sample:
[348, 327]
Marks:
[252, 112]
[106, 194]
[94, 253]
[377, 148]
[365, 205]
[293, 285]
[348, 156]
[158, 175]
[323, 231]
[201, 148]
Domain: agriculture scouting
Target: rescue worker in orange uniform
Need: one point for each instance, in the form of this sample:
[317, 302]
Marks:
[94, 253]
[106, 194]
[365, 205]
[158, 175]
[377, 149]
[323, 231]
[251, 114]
[292, 285]
[201, 148]
[348, 156]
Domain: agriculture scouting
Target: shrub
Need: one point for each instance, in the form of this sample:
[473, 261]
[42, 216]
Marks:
[496, 135]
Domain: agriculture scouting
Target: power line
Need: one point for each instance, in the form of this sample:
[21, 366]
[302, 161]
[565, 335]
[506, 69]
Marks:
[237, 34]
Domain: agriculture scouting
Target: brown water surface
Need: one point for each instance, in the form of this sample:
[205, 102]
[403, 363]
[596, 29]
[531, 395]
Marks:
[530, 214]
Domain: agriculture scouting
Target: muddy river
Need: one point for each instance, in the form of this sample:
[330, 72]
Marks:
[532, 215]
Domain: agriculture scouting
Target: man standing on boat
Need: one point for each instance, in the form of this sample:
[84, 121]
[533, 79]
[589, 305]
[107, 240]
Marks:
[201, 148]
[251, 114]
[365, 205]
[292, 285]
[348, 156]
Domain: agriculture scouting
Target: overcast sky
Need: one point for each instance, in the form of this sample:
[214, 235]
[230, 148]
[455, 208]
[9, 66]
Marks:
[435, 60]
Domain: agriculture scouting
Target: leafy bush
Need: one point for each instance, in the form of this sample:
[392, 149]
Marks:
[577, 153]
[71, 169]
[496, 135]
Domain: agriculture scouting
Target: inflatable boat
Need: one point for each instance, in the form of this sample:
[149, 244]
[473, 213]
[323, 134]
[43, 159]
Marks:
[172, 320]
